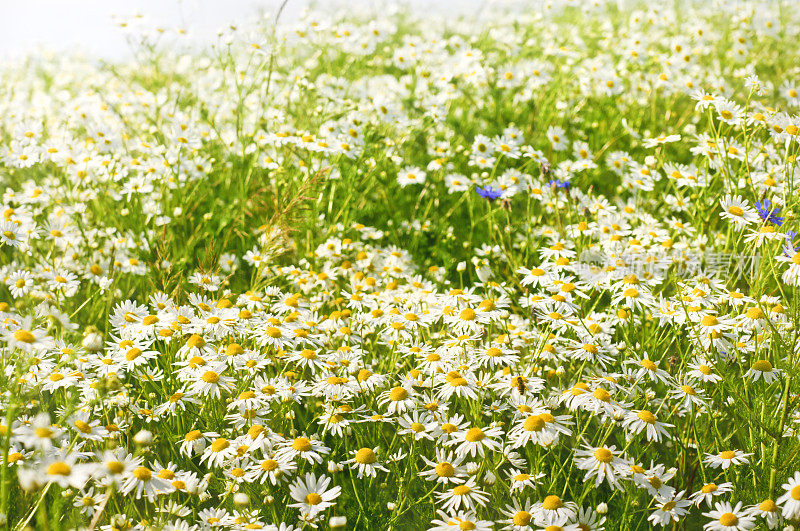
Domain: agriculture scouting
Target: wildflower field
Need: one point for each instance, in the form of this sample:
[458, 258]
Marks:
[535, 268]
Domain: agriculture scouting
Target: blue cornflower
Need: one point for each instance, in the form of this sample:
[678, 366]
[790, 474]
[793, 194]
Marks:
[559, 184]
[788, 248]
[489, 193]
[769, 213]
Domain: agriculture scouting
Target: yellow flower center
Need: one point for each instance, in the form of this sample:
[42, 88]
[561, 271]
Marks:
[445, 470]
[522, 518]
[220, 445]
[195, 341]
[552, 502]
[398, 393]
[467, 314]
[210, 377]
[534, 423]
[312, 498]
[83, 426]
[646, 416]
[366, 456]
[709, 320]
[461, 490]
[475, 435]
[59, 468]
[647, 364]
[268, 465]
[142, 473]
[601, 394]
[302, 444]
[24, 336]
[762, 365]
[603, 455]
[768, 506]
[193, 435]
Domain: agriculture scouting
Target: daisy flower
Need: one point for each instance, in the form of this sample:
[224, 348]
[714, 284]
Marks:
[398, 399]
[654, 480]
[703, 371]
[313, 495]
[669, 510]
[552, 510]
[738, 210]
[219, 451]
[212, 383]
[762, 369]
[726, 458]
[445, 469]
[365, 461]
[63, 469]
[474, 440]
[708, 492]
[310, 449]
[410, 175]
[518, 517]
[790, 500]
[141, 480]
[467, 496]
[270, 468]
[600, 463]
[644, 420]
[768, 510]
[460, 521]
[522, 480]
[724, 517]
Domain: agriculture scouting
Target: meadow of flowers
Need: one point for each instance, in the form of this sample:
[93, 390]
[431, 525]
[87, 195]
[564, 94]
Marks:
[533, 268]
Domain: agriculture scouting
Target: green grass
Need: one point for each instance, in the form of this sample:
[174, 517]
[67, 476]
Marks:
[130, 183]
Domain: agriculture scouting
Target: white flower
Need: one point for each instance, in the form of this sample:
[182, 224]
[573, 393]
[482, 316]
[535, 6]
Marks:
[313, 495]
[410, 175]
[790, 500]
[727, 518]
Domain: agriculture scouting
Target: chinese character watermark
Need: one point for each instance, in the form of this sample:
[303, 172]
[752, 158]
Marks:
[710, 263]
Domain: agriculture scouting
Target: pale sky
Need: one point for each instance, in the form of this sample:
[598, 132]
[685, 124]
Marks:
[87, 26]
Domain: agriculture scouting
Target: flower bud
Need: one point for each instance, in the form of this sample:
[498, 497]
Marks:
[92, 340]
[143, 438]
[602, 508]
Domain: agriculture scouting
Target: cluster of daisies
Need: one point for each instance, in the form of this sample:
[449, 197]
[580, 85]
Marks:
[536, 271]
